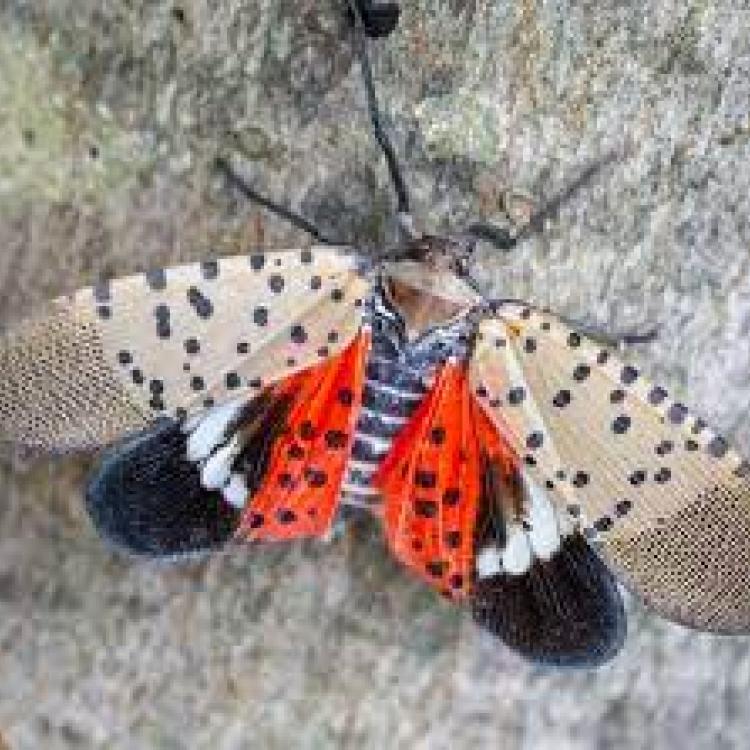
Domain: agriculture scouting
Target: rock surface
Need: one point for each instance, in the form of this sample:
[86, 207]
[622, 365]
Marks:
[111, 115]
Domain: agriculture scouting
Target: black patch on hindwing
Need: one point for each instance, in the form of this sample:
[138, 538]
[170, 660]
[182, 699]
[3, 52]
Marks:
[147, 499]
[491, 527]
[262, 422]
[564, 612]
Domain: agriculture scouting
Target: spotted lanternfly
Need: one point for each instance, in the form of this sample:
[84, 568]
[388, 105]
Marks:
[514, 462]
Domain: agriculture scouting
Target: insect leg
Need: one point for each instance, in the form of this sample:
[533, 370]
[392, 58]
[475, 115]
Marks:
[499, 237]
[285, 213]
[551, 207]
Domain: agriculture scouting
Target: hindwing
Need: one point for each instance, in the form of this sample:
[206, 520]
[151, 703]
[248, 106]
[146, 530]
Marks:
[432, 483]
[268, 468]
[461, 511]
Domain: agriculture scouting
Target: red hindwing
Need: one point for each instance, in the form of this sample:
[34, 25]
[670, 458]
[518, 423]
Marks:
[299, 494]
[431, 482]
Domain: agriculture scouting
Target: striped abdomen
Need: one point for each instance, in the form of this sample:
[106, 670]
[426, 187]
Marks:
[393, 390]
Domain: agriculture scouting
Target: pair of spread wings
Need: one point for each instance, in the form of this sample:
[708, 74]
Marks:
[663, 499]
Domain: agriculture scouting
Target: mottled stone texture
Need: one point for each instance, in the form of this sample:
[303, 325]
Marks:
[111, 114]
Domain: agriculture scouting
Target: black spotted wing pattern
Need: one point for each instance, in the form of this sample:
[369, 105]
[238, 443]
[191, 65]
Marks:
[665, 500]
[110, 359]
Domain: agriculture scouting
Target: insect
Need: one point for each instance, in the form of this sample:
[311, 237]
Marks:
[517, 465]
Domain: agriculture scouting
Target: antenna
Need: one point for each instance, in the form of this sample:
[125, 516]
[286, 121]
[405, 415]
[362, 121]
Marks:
[285, 213]
[502, 238]
[368, 20]
[373, 108]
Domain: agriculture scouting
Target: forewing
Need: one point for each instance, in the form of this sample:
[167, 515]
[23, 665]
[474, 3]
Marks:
[111, 359]
[664, 499]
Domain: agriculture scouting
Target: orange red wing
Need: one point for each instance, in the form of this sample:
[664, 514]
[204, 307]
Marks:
[431, 482]
[299, 493]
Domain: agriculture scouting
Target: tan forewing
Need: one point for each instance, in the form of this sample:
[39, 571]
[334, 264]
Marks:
[663, 497]
[112, 358]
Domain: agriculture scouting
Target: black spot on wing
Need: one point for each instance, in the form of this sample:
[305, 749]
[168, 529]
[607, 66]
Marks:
[147, 499]
[102, 292]
[276, 283]
[566, 611]
[298, 334]
[516, 395]
[163, 315]
[718, 447]
[562, 399]
[617, 396]
[200, 303]
[581, 372]
[260, 316]
[451, 497]
[210, 269]
[629, 375]
[657, 395]
[621, 424]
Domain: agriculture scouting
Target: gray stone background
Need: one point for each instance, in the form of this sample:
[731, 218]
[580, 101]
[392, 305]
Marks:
[110, 116]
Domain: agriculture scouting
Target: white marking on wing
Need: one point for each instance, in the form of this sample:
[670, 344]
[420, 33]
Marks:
[210, 431]
[488, 562]
[235, 491]
[517, 555]
[215, 472]
[544, 534]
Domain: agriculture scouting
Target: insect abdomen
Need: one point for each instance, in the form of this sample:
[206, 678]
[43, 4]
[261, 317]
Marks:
[393, 390]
